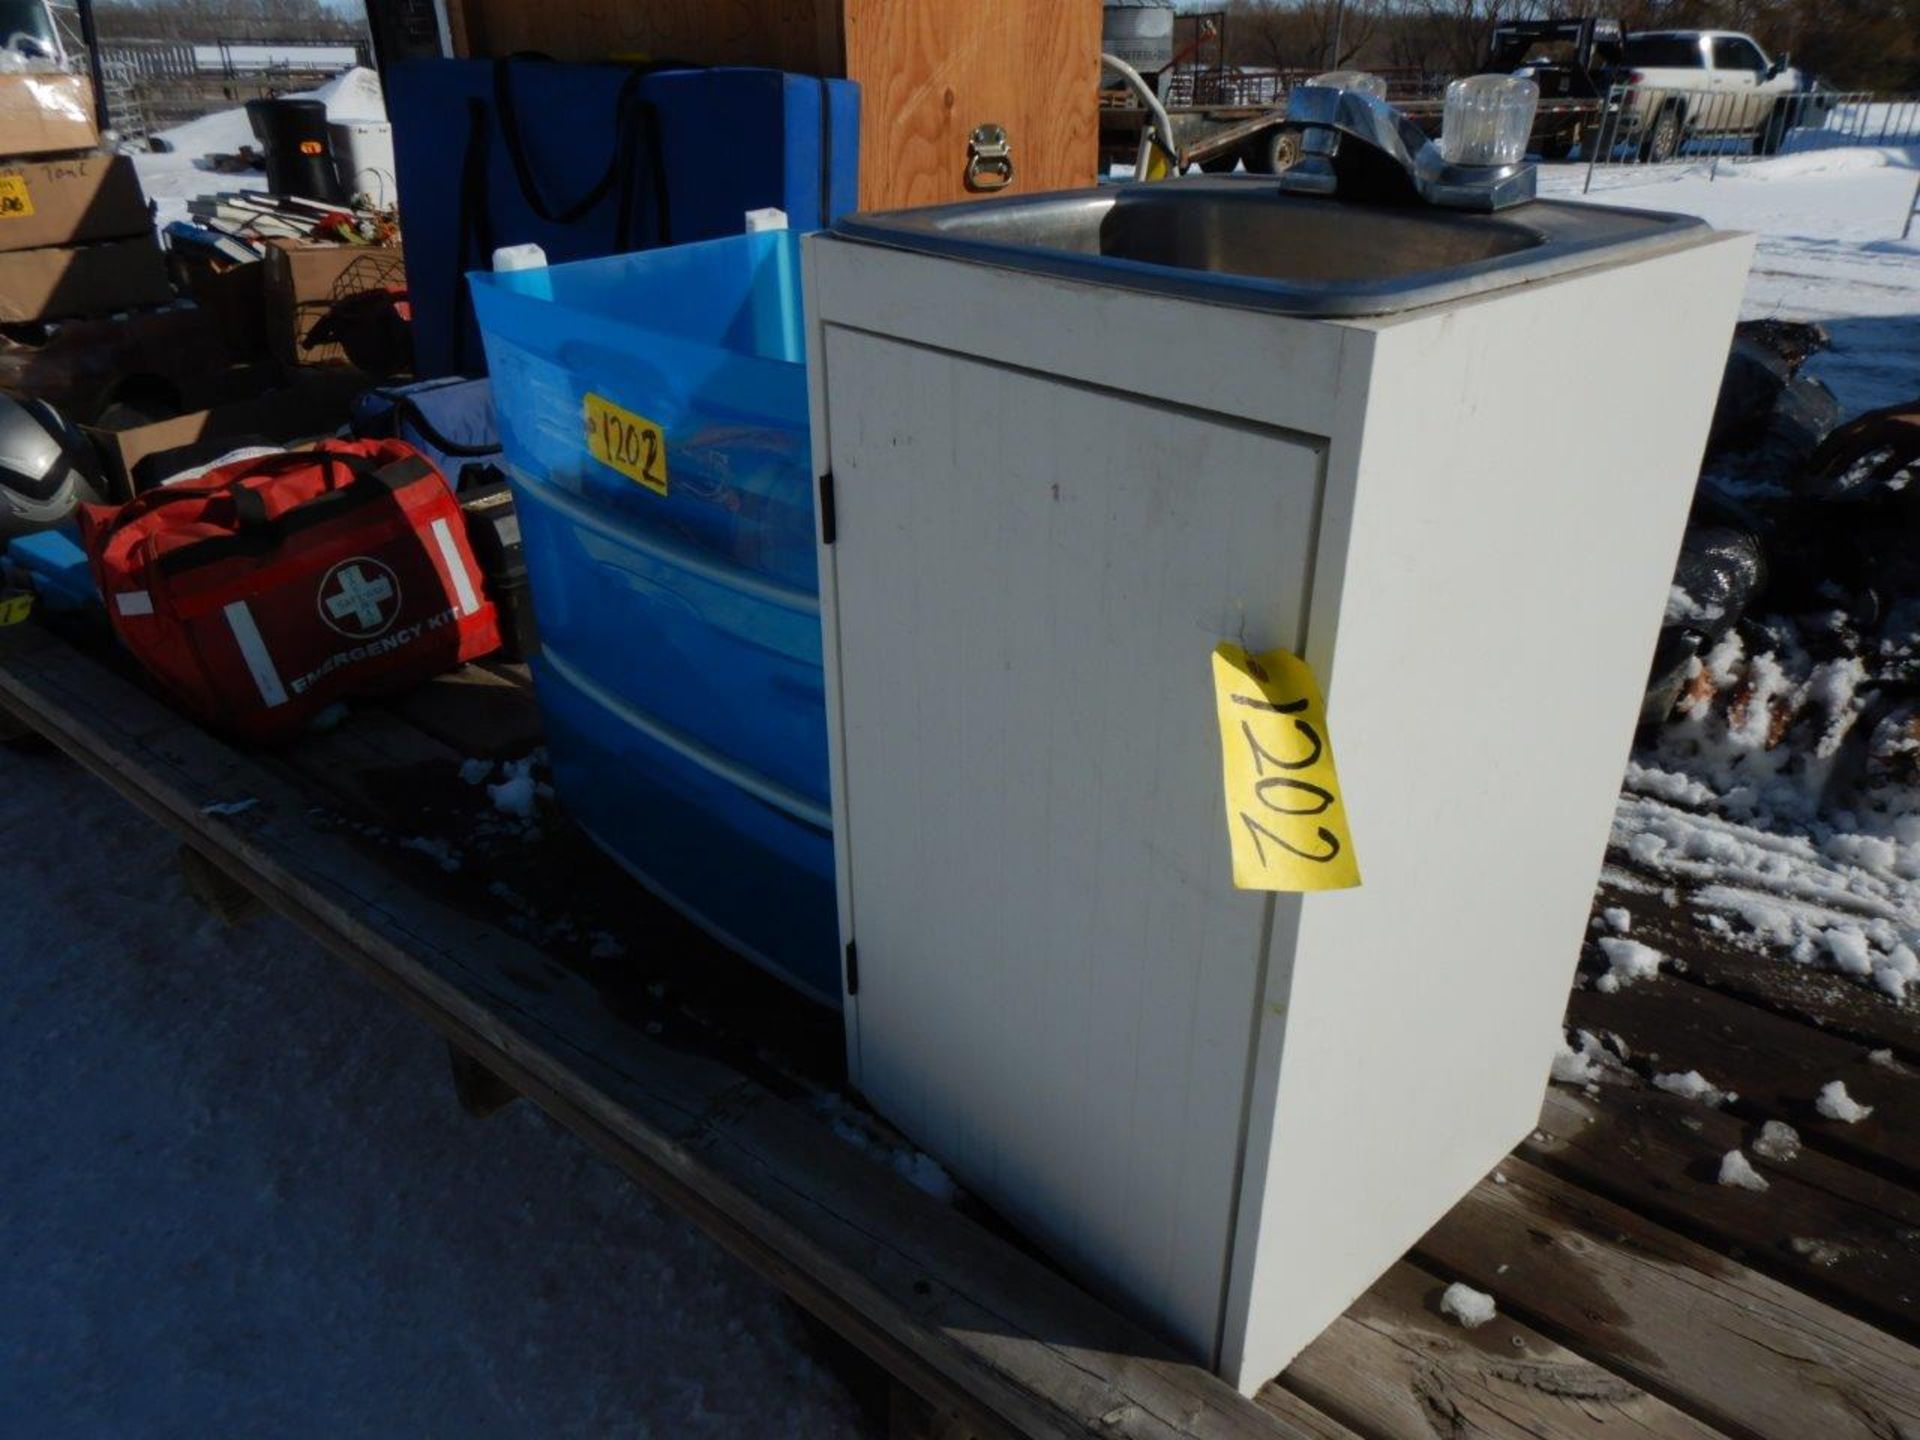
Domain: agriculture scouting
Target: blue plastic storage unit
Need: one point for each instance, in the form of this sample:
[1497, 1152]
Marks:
[679, 675]
[588, 160]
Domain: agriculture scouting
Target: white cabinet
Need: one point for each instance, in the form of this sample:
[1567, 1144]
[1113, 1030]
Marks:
[1231, 1110]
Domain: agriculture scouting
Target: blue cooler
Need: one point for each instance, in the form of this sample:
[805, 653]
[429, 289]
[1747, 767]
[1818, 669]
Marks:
[653, 412]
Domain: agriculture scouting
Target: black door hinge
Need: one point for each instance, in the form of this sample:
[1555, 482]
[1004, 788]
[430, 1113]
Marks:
[853, 968]
[827, 526]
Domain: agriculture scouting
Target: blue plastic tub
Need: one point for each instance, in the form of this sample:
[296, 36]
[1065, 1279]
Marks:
[677, 594]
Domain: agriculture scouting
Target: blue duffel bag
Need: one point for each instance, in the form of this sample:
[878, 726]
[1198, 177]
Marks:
[450, 420]
[589, 160]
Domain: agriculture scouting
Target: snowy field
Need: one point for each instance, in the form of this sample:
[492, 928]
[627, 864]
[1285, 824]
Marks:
[1829, 223]
[173, 177]
[1766, 849]
[237, 1197]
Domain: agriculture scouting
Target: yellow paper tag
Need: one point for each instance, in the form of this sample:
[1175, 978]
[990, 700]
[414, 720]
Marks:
[16, 202]
[1285, 818]
[14, 609]
[629, 443]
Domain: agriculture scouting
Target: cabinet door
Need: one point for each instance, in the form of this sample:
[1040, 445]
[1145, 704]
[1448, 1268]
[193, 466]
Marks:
[1057, 979]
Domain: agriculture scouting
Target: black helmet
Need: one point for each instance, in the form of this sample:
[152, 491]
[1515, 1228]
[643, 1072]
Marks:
[45, 467]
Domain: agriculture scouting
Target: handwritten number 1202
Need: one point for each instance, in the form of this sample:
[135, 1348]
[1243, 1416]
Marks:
[1304, 798]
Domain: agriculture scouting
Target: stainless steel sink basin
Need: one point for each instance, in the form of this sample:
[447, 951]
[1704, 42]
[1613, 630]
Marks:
[1244, 242]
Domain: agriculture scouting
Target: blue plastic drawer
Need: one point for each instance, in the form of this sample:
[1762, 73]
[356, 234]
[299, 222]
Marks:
[742, 865]
[721, 655]
[680, 672]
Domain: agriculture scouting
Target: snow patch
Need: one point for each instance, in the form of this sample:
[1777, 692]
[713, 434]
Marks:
[1692, 1085]
[1627, 961]
[1836, 1104]
[518, 793]
[1737, 1170]
[1472, 1308]
[1778, 1142]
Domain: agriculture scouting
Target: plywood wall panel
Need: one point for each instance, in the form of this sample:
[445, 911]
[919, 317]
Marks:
[930, 72]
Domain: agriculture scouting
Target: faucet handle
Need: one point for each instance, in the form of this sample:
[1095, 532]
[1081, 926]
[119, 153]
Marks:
[1353, 142]
[1488, 119]
[1364, 82]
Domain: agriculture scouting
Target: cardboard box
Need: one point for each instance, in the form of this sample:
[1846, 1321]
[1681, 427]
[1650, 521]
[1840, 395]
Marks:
[64, 202]
[312, 403]
[234, 300]
[66, 280]
[161, 361]
[45, 114]
[306, 279]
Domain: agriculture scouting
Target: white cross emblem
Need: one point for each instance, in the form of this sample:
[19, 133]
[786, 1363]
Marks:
[359, 598]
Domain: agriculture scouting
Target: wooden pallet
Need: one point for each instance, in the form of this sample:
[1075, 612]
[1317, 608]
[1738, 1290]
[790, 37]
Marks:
[1636, 1296]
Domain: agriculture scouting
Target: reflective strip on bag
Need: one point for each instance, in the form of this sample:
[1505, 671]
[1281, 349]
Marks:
[134, 602]
[254, 651]
[456, 569]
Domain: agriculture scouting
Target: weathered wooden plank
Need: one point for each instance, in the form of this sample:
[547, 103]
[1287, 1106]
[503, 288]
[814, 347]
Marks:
[1394, 1368]
[1305, 1418]
[1775, 1065]
[1717, 1339]
[1837, 1005]
[475, 711]
[1824, 1226]
[959, 1316]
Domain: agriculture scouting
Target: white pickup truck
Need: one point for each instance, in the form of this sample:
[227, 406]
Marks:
[1684, 84]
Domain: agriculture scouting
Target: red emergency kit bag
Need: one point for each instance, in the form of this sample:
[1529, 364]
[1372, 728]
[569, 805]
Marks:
[267, 589]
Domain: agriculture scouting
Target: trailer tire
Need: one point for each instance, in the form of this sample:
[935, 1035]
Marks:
[1275, 151]
[1664, 136]
[1222, 164]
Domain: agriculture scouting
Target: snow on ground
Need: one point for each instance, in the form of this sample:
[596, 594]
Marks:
[173, 178]
[237, 1197]
[1829, 223]
[1779, 844]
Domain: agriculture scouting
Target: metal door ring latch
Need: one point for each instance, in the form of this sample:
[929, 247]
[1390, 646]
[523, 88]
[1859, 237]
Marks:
[989, 158]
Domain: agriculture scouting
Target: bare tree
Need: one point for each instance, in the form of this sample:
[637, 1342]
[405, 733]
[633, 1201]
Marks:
[1301, 34]
[1460, 31]
[240, 20]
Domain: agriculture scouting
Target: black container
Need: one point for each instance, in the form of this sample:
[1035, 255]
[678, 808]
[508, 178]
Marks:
[293, 135]
[493, 529]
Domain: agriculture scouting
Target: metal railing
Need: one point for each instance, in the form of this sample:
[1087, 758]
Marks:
[1241, 87]
[1645, 125]
[229, 59]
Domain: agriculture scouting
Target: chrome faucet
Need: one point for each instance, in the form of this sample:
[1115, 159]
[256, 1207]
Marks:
[1356, 144]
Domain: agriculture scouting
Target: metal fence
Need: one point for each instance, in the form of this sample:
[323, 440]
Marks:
[229, 59]
[1643, 125]
[1242, 87]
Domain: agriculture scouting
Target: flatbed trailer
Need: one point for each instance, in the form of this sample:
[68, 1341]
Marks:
[1636, 1295]
[1217, 137]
